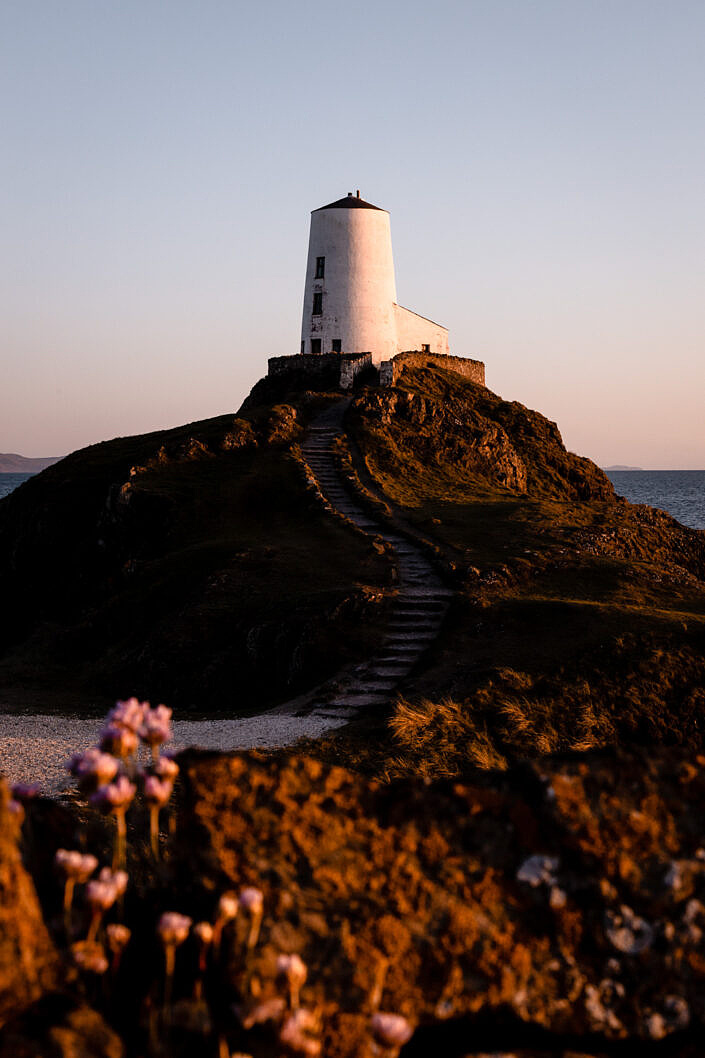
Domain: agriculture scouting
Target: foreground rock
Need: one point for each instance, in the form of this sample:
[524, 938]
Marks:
[559, 901]
[554, 908]
[29, 963]
[37, 1020]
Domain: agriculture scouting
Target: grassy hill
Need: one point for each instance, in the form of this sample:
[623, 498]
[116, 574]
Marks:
[193, 565]
[189, 565]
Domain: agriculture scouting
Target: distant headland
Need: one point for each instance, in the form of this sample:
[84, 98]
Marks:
[11, 463]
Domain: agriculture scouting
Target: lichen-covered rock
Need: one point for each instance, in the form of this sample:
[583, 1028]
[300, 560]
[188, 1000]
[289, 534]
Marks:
[534, 896]
[29, 963]
[59, 1027]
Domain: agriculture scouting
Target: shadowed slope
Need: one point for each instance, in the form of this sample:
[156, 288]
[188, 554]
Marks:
[191, 565]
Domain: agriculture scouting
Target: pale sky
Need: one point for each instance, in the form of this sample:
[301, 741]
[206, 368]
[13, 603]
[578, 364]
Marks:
[543, 162]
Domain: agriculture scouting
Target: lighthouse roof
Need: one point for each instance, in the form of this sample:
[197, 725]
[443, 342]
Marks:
[350, 202]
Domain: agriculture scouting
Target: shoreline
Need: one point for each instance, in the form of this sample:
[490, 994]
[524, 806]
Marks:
[34, 749]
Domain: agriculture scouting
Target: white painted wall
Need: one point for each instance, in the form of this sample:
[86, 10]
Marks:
[414, 331]
[358, 289]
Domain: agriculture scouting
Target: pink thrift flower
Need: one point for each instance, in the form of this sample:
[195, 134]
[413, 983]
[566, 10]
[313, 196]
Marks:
[118, 880]
[114, 796]
[89, 956]
[157, 791]
[204, 932]
[252, 900]
[227, 907]
[118, 937]
[391, 1030]
[93, 764]
[293, 968]
[128, 714]
[166, 768]
[173, 928]
[120, 741]
[156, 725]
[297, 1033]
[101, 895]
[76, 865]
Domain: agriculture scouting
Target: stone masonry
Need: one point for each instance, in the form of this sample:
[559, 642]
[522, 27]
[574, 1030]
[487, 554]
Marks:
[389, 370]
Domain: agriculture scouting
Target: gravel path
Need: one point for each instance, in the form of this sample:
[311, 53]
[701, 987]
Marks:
[34, 748]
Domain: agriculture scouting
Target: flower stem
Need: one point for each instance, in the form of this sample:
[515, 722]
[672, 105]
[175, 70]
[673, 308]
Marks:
[169, 958]
[68, 904]
[120, 839]
[93, 928]
[255, 924]
[154, 829]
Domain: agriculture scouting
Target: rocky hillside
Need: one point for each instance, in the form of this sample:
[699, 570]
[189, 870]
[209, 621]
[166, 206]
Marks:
[177, 565]
[579, 618]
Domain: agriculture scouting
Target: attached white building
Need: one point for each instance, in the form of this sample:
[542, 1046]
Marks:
[350, 298]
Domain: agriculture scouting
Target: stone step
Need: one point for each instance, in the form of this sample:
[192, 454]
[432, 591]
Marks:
[404, 612]
[421, 605]
[399, 671]
[361, 699]
[406, 649]
[392, 657]
[412, 625]
[407, 634]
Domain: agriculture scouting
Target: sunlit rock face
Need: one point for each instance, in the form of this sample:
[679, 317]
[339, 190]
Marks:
[529, 897]
[29, 963]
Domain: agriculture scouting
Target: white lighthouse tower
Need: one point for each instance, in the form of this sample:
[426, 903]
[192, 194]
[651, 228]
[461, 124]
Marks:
[350, 300]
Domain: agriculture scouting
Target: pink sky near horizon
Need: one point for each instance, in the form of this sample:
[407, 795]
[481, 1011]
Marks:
[543, 166]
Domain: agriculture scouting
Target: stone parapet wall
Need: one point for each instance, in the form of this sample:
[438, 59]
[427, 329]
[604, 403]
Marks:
[341, 368]
[351, 366]
[390, 370]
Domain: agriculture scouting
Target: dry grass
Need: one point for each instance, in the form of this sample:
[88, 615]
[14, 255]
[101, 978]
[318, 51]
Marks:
[432, 734]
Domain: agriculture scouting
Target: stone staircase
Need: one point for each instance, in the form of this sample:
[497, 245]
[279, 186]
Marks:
[422, 598]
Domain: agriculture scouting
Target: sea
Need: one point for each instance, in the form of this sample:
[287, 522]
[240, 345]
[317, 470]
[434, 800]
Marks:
[8, 482]
[680, 492]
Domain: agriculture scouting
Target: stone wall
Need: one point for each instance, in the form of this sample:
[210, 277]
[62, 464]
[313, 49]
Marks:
[351, 366]
[338, 369]
[389, 370]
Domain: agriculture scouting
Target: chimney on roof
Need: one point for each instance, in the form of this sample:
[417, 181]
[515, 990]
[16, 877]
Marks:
[358, 192]
[350, 194]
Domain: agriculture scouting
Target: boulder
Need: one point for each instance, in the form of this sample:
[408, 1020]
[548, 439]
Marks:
[29, 962]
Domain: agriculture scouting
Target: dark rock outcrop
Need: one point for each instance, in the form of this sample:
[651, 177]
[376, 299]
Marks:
[29, 962]
[60, 1027]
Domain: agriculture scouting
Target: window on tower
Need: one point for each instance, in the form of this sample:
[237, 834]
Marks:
[337, 345]
[316, 346]
[317, 303]
[320, 267]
